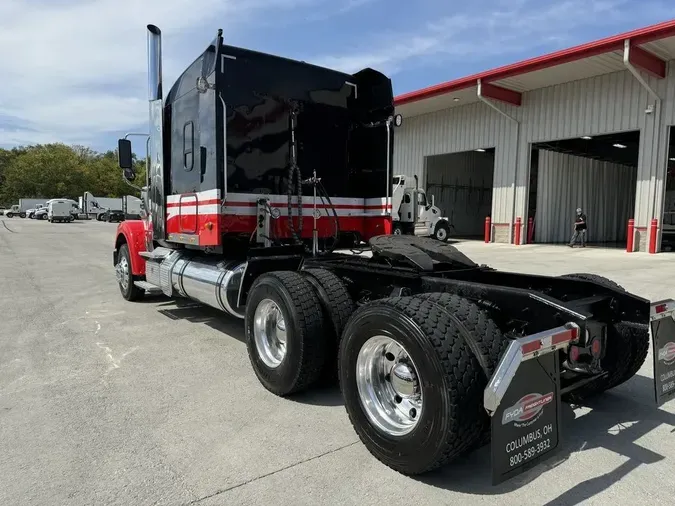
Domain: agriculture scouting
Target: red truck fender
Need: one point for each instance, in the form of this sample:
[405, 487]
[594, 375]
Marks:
[131, 232]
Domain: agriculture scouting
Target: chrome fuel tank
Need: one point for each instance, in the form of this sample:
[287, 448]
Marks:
[212, 282]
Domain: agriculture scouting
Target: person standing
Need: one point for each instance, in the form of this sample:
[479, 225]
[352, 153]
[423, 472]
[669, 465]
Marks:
[580, 227]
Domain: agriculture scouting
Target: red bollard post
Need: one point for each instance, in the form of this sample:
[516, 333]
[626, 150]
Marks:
[530, 230]
[518, 225]
[630, 237]
[652, 236]
[488, 226]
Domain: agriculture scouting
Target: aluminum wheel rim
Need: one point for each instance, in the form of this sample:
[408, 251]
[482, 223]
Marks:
[389, 386]
[269, 332]
[122, 272]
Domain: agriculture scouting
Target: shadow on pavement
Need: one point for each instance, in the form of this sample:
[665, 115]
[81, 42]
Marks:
[183, 309]
[326, 393]
[323, 395]
[615, 423]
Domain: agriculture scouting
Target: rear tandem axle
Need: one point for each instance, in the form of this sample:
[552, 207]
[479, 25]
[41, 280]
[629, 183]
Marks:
[434, 353]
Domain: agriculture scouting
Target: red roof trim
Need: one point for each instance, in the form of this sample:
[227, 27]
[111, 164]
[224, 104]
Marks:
[639, 36]
[647, 61]
[502, 94]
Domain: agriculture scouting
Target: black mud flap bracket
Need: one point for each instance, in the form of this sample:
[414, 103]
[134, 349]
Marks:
[523, 401]
[662, 325]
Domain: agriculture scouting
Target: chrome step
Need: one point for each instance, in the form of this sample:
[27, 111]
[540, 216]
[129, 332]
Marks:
[156, 254]
[148, 287]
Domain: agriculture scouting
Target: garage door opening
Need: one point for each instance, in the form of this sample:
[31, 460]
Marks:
[595, 173]
[668, 220]
[461, 184]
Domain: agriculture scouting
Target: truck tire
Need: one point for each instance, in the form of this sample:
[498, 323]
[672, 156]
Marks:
[22, 215]
[293, 360]
[9, 215]
[125, 278]
[397, 229]
[432, 331]
[337, 306]
[441, 231]
[622, 360]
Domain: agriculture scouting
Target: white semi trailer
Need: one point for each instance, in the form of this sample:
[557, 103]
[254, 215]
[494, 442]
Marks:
[110, 209]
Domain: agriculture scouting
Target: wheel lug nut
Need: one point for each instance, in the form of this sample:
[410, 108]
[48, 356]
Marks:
[413, 413]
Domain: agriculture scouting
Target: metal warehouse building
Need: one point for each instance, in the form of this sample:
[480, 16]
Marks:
[528, 143]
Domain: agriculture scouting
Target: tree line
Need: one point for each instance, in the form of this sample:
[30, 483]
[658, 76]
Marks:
[46, 171]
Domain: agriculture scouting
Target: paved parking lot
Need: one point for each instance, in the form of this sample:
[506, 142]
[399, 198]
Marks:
[108, 402]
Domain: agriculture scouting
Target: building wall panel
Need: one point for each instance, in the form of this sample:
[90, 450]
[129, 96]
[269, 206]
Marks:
[458, 130]
[462, 185]
[605, 191]
[604, 104]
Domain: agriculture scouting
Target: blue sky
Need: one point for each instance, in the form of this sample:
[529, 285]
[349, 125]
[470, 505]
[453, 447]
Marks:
[74, 70]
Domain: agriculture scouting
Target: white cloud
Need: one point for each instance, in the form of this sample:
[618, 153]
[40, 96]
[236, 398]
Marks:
[501, 27]
[74, 70]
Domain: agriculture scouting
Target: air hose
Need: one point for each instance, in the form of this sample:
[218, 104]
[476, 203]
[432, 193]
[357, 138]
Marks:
[336, 236]
[294, 170]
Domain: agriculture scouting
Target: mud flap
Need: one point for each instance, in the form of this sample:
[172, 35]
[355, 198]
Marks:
[662, 325]
[523, 401]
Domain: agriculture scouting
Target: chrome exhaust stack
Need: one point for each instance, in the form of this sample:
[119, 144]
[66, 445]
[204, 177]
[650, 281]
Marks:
[154, 63]
[156, 197]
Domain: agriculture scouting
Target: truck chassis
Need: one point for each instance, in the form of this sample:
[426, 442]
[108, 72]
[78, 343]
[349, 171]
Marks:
[415, 333]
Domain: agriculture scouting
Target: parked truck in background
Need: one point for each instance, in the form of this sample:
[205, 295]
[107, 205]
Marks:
[15, 210]
[132, 207]
[43, 212]
[101, 208]
[413, 213]
[30, 213]
[435, 354]
[60, 211]
[26, 204]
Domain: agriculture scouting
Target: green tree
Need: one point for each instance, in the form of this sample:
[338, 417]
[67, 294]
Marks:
[57, 170]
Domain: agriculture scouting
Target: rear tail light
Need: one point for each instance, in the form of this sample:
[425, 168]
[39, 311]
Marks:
[596, 348]
[549, 340]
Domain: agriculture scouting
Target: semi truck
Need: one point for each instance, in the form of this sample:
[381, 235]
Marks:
[414, 214]
[110, 209]
[256, 163]
[98, 208]
[15, 210]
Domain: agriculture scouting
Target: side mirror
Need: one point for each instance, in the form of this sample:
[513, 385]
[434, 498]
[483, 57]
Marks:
[398, 120]
[124, 158]
[433, 201]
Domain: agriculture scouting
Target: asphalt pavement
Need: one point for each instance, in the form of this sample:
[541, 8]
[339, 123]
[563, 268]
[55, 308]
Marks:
[103, 401]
